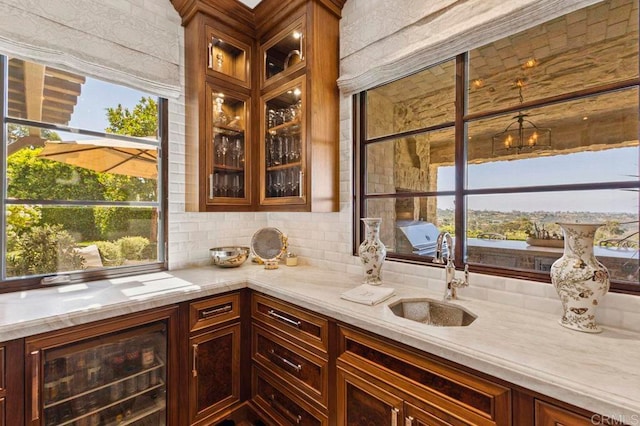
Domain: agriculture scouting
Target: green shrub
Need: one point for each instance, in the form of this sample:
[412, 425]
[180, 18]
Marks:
[118, 222]
[44, 249]
[79, 221]
[110, 253]
[133, 248]
[19, 220]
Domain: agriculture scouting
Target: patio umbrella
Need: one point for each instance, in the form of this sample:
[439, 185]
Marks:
[106, 156]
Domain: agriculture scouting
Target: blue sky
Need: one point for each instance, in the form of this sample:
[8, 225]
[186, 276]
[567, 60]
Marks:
[586, 167]
[96, 96]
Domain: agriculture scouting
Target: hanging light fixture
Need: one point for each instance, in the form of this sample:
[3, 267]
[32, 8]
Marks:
[521, 135]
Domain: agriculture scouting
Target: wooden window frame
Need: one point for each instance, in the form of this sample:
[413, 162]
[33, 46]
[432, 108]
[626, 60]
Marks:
[460, 193]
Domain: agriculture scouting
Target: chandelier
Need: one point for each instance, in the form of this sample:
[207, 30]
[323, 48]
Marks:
[521, 135]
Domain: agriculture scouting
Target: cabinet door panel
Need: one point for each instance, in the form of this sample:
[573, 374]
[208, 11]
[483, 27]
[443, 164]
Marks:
[549, 415]
[297, 323]
[215, 371]
[227, 152]
[283, 150]
[282, 404]
[415, 416]
[361, 403]
[297, 366]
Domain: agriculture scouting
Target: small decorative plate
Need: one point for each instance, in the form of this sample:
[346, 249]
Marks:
[268, 244]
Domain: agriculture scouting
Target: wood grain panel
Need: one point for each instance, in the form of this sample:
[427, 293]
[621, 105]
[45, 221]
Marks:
[214, 311]
[455, 391]
[302, 325]
[275, 398]
[298, 367]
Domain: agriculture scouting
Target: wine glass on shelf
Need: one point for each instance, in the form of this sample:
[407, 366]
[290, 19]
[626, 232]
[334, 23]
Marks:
[279, 183]
[237, 153]
[285, 149]
[270, 188]
[294, 181]
[235, 187]
[216, 184]
[224, 186]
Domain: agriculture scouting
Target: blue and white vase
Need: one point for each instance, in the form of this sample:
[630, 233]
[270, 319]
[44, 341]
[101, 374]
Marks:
[372, 251]
[580, 280]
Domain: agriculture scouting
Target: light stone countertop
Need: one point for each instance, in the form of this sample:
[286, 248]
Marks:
[598, 372]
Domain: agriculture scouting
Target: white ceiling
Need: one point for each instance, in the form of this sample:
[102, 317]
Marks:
[250, 3]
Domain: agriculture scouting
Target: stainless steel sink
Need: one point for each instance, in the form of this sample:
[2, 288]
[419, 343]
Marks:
[432, 312]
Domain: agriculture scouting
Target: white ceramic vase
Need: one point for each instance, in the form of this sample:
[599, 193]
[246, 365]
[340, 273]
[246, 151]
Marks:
[580, 280]
[372, 251]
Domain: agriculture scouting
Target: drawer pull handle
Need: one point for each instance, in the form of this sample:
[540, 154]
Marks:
[282, 318]
[394, 416]
[194, 367]
[282, 410]
[285, 361]
[35, 385]
[216, 311]
[408, 421]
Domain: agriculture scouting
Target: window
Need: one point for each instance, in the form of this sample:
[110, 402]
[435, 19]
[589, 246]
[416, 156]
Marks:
[82, 177]
[499, 144]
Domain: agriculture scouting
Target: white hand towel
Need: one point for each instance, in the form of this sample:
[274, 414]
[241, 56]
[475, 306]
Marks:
[368, 294]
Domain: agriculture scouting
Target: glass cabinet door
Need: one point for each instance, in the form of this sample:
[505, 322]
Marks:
[228, 58]
[228, 152]
[284, 53]
[115, 379]
[283, 148]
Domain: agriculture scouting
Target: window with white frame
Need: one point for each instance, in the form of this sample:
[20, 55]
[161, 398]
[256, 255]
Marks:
[82, 177]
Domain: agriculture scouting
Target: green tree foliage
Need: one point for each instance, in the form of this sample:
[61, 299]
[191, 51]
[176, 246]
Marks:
[44, 249]
[31, 178]
[16, 132]
[20, 219]
[141, 122]
[41, 240]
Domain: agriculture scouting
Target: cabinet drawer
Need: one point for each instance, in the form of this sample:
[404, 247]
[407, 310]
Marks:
[298, 367]
[454, 391]
[295, 322]
[216, 310]
[281, 404]
[550, 415]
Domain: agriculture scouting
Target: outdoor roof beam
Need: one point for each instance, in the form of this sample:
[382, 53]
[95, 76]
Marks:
[34, 93]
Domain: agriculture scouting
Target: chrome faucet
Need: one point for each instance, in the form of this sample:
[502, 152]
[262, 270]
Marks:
[453, 283]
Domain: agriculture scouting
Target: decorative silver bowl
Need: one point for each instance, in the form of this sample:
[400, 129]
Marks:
[229, 257]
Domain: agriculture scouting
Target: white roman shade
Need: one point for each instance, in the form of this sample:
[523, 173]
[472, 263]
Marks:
[114, 40]
[390, 39]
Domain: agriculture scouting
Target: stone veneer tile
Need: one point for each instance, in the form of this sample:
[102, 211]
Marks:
[488, 281]
[631, 320]
[622, 302]
[505, 298]
[543, 304]
[531, 288]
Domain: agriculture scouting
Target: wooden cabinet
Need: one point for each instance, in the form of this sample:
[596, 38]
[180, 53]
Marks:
[214, 354]
[290, 375]
[261, 129]
[360, 402]
[547, 414]
[113, 371]
[423, 390]
[12, 383]
[219, 46]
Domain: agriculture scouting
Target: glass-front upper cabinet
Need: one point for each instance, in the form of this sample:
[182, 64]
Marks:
[228, 58]
[282, 151]
[228, 151]
[284, 53]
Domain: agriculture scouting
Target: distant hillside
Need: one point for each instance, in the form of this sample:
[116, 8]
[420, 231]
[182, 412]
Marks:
[516, 225]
